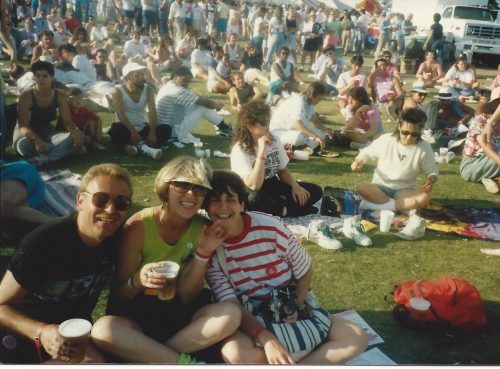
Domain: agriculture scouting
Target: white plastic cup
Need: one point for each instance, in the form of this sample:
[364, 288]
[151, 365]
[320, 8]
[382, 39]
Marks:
[198, 144]
[169, 270]
[76, 331]
[301, 155]
[443, 151]
[200, 153]
[207, 153]
[386, 217]
[419, 304]
[450, 155]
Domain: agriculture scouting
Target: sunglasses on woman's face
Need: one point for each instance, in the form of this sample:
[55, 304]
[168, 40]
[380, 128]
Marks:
[184, 187]
[102, 199]
[412, 134]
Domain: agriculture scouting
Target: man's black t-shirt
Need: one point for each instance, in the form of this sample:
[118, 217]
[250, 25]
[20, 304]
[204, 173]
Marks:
[63, 276]
[437, 33]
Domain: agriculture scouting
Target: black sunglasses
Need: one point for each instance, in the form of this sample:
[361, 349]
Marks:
[183, 187]
[422, 94]
[102, 199]
[412, 134]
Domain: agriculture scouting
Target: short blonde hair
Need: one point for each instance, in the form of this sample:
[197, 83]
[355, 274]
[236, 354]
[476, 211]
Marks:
[106, 170]
[185, 169]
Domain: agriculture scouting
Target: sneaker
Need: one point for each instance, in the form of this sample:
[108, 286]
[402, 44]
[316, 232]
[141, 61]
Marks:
[354, 230]
[319, 233]
[490, 185]
[151, 152]
[414, 229]
[131, 150]
[225, 132]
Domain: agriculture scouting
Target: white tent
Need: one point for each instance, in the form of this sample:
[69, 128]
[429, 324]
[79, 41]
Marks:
[340, 4]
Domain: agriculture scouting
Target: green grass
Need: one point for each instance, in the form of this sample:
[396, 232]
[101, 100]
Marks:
[357, 277]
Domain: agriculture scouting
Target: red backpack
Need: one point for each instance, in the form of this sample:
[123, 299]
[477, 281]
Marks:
[455, 304]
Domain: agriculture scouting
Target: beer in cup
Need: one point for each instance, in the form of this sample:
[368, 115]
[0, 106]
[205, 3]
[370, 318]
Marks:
[169, 270]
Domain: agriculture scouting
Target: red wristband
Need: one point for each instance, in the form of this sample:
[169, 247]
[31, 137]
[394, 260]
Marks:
[262, 157]
[38, 342]
[201, 256]
[258, 331]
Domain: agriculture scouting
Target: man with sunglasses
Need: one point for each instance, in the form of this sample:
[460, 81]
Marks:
[400, 156]
[60, 269]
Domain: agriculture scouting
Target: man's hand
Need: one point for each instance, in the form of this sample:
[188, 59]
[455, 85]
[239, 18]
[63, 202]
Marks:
[55, 344]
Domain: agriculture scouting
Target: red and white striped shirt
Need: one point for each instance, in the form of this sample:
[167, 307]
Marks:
[264, 256]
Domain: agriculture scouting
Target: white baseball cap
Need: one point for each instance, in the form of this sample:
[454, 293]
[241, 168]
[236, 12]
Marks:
[132, 67]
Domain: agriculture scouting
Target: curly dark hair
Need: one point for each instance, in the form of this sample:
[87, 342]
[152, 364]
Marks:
[251, 114]
[413, 116]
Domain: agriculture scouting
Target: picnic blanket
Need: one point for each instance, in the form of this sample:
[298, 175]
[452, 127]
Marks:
[61, 187]
[469, 222]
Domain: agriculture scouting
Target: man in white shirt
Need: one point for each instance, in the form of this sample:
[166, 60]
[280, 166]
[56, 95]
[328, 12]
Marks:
[134, 48]
[183, 110]
[69, 53]
[176, 20]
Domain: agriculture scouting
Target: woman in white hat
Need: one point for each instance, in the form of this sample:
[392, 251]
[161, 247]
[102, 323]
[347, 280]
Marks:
[145, 328]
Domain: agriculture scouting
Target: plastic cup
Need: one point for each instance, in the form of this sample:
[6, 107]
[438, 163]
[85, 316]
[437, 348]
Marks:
[450, 155]
[356, 83]
[200, 153]
[390, 95]
[463, 99]
[169, 270]
[419, 304]
[301, 155]
[386, 217]
[443, 151]
[207, 153]
[76, 331]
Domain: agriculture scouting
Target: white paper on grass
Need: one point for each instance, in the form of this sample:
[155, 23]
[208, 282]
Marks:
[372, 357]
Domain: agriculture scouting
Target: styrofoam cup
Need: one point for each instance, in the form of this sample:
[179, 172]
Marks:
[301, 155]
[419, 304]
[386, 217]
[76, 331]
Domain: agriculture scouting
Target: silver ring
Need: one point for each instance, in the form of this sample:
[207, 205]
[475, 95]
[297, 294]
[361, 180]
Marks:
[147, 276]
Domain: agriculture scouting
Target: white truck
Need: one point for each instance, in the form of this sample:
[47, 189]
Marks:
[469, 23]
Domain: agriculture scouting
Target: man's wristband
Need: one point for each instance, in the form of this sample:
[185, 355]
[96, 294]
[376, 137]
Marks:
[38, 342]
[131, 285]
[255, 333]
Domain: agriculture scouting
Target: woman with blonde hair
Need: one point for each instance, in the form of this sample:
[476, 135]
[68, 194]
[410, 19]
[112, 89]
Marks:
[146, 327]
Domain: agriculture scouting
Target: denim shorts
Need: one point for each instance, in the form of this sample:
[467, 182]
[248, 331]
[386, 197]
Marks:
[388, 191]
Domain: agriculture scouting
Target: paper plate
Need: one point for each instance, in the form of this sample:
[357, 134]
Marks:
[328, 154]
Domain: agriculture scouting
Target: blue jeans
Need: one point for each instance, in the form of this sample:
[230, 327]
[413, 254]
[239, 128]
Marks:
[276, 41]
[163, 22]
[257, 41]
[439, 45]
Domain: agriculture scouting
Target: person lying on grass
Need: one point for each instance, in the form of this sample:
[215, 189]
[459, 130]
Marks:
[400, 156]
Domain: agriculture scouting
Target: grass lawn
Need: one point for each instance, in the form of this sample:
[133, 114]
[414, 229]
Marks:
[358, 277]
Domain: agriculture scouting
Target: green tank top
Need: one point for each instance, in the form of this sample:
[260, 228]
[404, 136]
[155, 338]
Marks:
[155, 249]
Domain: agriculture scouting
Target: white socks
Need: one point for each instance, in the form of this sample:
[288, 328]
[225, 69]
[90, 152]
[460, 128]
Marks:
[389, 205]
[149, 151]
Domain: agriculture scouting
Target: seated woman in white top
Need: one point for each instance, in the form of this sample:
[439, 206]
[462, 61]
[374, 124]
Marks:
[260, 159]
[461, 77]
[201, 59]
[295, 121]
[400, 156]
[219, 79]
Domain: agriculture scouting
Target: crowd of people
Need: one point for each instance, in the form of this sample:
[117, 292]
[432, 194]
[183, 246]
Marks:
[220, 227]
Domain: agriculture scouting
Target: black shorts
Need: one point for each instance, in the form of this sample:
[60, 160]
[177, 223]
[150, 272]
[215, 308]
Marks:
[313, 44]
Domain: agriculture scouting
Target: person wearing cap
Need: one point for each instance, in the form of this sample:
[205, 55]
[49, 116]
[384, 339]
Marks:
[350, 79]
[400, 157]
[60, 269]
[129, 101]
[430, 70]
[182, 110]
[480, 158]
[34, 136]
[143, 328]
[450, 114]
[328, 68]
